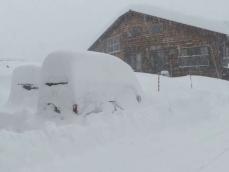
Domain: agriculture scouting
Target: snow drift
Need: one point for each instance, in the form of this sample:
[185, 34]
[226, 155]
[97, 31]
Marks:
[84, 83]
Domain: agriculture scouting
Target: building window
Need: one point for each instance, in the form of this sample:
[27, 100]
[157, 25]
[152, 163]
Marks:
[226, 52]
[113, 45]
[135, 31]
[159, 60]
[226, 57]
[194, 57]
[139, 63]
[135, 61]
[157, 28]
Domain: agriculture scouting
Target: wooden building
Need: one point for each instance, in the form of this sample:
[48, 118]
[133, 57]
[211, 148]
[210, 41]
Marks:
[154, 44]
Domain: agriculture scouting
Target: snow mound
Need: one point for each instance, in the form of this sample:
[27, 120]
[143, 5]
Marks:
[24, 87]
[87, 82]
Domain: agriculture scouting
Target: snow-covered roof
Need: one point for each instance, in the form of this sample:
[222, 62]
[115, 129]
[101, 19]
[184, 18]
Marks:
[212, 25]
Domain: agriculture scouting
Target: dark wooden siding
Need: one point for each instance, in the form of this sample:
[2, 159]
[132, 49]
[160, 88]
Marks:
[145, 35]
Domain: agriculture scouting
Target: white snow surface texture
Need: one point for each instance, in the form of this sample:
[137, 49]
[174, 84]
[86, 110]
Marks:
[175, 130]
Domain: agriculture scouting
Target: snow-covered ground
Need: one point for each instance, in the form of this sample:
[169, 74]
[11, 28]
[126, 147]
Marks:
[175, 130]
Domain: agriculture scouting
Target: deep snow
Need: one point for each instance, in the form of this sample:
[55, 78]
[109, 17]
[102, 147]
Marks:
[177, 129]
[24, 87]
[6, 69]
[88, 80]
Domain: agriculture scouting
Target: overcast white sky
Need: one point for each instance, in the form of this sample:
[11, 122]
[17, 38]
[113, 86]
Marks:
[33, 28]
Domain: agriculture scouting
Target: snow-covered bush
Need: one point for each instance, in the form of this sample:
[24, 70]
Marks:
[84, 83]
[25, 86]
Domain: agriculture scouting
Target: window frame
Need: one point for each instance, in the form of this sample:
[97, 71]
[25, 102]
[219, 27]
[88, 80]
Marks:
[138, 62]
[193, 55]
[226, 52]
[135, 31]
[113, 44]
[156, 25]
[226, 57]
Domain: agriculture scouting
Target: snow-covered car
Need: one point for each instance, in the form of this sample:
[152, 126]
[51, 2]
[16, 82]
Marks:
[84, 83]
[25, 86]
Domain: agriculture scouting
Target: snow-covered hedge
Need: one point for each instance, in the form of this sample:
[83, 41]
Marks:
[84, 83]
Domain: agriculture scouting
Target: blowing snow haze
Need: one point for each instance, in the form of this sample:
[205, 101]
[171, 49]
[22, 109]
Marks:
[32, 29]
[90, 111]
